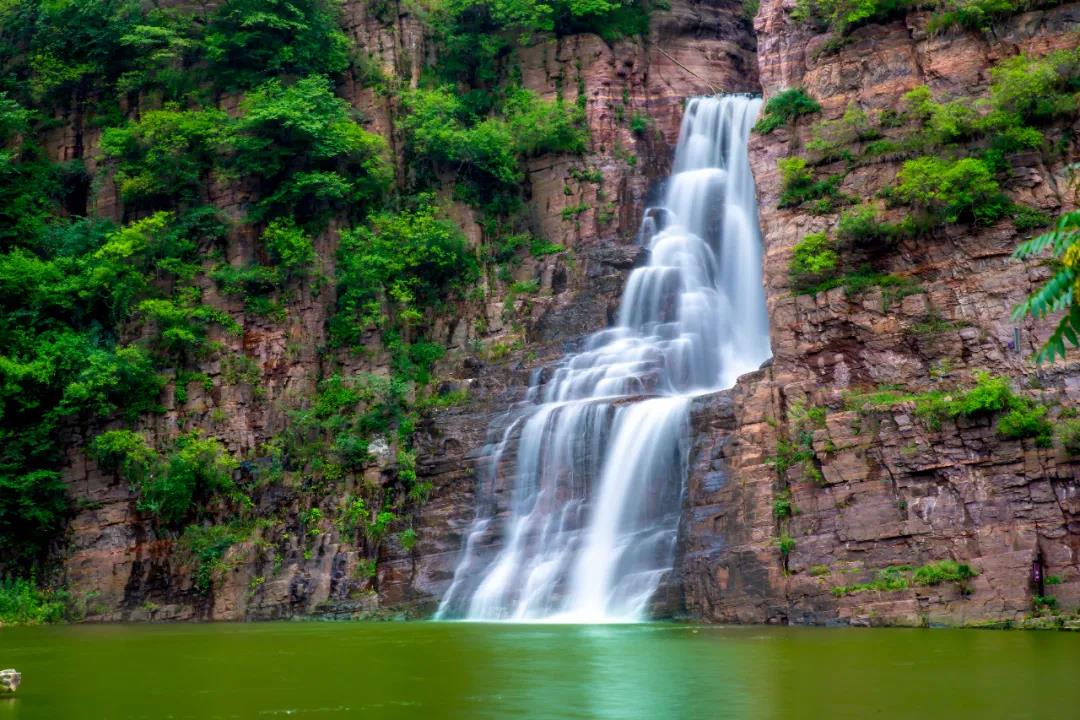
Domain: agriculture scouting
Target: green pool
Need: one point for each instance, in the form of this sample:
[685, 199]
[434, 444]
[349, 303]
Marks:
[448, 670]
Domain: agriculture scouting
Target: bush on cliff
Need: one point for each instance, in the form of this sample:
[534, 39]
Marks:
[247, 41]
[950, 191]
[196, 470]
[813, 260]
[405, 262]
[784, 107]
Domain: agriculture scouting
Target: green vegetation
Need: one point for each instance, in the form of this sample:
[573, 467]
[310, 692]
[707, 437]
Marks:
[816, 265]
[842, 16]
[861, 228]
[782, 507]
[1027, 420]
[22, 602]
[306, 152]
[901, 577]
[1021, 417]
[784, 107]
[489, 151]
[170, 486]
[1059, 293]
[205, 547]
[950, 191]
[813, 260]
[405, 263]
[798, 188]
[1068, 432]
[250, 40]
[795, 446]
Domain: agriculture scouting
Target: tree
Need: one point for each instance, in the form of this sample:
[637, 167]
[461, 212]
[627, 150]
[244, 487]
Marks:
[1062, 291]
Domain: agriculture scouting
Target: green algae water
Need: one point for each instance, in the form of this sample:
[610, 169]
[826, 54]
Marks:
[464, 670]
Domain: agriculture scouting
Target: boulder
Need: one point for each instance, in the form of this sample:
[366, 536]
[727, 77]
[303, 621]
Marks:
[9, 681]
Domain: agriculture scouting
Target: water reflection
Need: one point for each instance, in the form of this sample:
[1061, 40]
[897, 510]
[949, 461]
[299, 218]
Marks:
[611, 672]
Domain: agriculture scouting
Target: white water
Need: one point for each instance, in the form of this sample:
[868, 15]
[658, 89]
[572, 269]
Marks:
[598, 458]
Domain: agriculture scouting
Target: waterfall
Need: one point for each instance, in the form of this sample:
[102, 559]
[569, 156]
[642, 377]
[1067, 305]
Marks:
[597, 458]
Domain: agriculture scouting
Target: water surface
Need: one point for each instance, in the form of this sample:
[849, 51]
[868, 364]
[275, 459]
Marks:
[466, 670]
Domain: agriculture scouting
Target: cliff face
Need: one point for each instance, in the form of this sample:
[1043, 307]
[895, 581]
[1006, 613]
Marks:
[127, 569]
[881, 489]
[892, 491]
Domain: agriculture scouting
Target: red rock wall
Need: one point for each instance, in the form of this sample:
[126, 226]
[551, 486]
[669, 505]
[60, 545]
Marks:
[894, 492]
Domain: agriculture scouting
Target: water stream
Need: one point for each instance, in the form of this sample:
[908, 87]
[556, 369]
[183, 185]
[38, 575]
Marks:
[596, 462]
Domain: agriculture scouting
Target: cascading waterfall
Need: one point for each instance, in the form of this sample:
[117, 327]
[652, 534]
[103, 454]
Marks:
[598, 456]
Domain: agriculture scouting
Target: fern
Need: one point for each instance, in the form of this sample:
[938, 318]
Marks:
[1057, 294]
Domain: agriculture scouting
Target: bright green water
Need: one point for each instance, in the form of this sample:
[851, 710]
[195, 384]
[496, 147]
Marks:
[431, 670]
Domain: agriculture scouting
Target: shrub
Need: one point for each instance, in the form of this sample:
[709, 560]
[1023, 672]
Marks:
[972, 14]
[798, 187]
[436, 129]
[196, 470]
[126, 454]
[1037, 89]
[893, 287]
[307, 151]
[1068, 432]
[1044, 602]
[785, 543]
[639, 124]
[289, 246]
[408, 539]
[180, 326]
[353, 515]
[22, 602]
[540, 127]
[33, 507]
[784, 107]
[861, 227]
[206, 546]
[941, 571]
[950, 190]
[901, 577]
[990, 395]
[69, 46]
[782, 507]
[843, 15]
[167, 154]
[1028, 218]
[248, 40]
[814, 260]
[377, 529]
[540, 248]
[1027, 420]
[411, 260]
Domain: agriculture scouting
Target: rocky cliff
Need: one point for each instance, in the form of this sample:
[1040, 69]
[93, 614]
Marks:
[126, 568]
[872, 488]
[880, 489]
